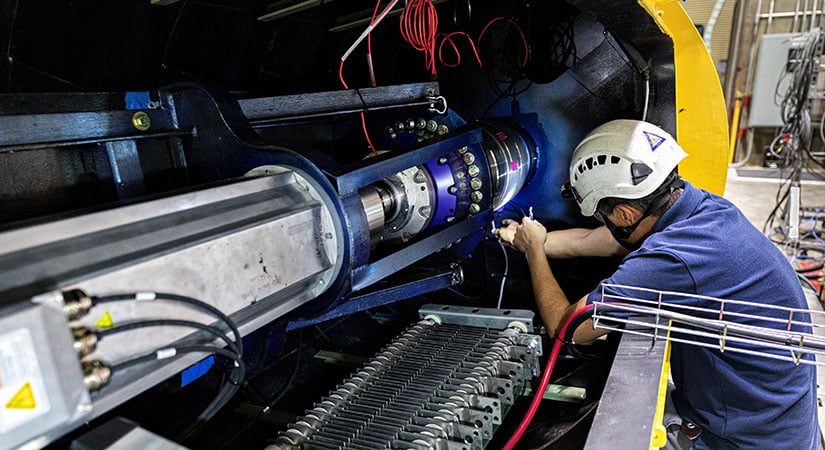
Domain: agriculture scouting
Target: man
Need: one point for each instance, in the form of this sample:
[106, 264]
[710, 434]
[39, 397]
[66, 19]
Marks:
[675, 237]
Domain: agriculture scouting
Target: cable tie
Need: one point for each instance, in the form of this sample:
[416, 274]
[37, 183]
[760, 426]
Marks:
[722, 340]
[165, 353]
[142, 296]
[799, 352]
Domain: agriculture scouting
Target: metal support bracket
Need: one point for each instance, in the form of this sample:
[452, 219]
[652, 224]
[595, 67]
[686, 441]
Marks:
[478, 317]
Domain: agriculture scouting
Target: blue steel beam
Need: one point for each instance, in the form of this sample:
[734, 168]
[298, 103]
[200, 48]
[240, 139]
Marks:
[376, 169]
[367, 275]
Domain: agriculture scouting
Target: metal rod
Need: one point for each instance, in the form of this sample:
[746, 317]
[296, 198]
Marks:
[803, 19]
[783, 15]
[754, 46]
[795, 16]
[771, 8]
[813, 23]
[733, 52]
[822, 15]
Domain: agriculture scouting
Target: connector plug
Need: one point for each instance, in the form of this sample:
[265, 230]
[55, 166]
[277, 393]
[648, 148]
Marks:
[85, 341]
[96, 374]
[76, 303]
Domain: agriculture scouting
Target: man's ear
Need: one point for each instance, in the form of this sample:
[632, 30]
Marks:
[625, 215]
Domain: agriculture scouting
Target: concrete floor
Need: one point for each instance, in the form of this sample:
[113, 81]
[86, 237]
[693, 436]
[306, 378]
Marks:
[756, 196]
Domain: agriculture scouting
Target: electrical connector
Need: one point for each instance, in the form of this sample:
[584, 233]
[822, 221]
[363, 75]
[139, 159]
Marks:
[85, 341]
[96, 374]
[76, 303]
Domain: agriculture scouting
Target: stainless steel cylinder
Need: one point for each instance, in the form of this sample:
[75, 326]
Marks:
[511, 154]
[374, 209]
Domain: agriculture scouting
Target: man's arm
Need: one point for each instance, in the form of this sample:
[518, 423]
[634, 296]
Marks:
[575, 242]
[570, 243]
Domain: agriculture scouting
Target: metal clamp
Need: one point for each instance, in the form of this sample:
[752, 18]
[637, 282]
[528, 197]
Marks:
[433, 104]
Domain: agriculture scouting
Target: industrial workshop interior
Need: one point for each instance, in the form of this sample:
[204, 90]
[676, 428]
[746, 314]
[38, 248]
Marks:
[272, 224]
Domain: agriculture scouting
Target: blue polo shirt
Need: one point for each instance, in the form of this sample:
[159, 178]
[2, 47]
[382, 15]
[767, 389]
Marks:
[704, 245]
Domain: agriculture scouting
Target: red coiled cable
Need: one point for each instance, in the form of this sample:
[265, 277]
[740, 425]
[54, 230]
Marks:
[419, 25]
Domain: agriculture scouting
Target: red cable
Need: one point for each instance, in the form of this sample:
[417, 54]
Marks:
[517, 27]
[341, 74]
[366, 133]
[363, 118]
[545, 380]
[449, 38]
[419, 25]
[369, 45]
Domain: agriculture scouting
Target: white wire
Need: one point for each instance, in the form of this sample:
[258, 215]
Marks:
[503, 277]
[647, 98]
[369, 29]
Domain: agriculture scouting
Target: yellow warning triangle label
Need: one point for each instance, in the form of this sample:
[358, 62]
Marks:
[105, 321]
[23, 399]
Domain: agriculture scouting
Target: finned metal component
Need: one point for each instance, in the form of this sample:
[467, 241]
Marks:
[96, 374]
[438, 385]
[76, 304]
[85, 341]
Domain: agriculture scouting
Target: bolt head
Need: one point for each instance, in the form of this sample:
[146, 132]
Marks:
[141, 121]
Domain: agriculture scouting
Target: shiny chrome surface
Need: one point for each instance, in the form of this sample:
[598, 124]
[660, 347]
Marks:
[413, 194]
[511, 155]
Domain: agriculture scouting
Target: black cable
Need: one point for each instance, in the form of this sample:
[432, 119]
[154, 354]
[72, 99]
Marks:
[143, 296]
[591, 408]
[792, 144]
[277, 398]
[807, 283]
[173, 351]
[236, 375]
[214, 331]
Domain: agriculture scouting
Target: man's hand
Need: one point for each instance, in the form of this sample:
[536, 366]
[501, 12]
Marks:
[507, 232]
[525, 237]
[530, 237]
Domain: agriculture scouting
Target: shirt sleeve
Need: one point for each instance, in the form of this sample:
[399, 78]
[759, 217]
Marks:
[646, 270]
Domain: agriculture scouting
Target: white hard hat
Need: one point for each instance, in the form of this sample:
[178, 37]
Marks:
[622, 159]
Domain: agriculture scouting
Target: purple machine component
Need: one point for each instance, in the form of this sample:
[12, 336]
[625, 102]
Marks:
[445, 203]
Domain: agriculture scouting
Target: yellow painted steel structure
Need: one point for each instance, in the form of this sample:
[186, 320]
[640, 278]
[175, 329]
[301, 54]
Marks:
[701, 116]
[701, 128]
[658, 432]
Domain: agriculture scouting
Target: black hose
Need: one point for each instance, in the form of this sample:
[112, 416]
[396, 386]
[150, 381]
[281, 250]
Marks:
[176, 298]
